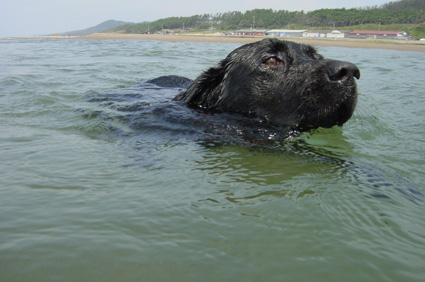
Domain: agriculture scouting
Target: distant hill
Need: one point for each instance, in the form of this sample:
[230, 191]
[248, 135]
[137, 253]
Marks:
[99, 28]
[409, 15]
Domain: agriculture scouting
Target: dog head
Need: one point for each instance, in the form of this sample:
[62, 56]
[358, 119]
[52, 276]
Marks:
[284, 83]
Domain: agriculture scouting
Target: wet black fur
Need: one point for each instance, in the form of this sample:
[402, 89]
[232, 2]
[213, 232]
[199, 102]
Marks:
[303, 91]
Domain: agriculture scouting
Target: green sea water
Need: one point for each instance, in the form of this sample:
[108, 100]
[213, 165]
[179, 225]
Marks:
[81, 202]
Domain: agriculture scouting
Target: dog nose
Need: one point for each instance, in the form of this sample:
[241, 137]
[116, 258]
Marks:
[341, 71]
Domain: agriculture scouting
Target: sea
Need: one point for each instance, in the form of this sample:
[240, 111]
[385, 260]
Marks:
[100, 180]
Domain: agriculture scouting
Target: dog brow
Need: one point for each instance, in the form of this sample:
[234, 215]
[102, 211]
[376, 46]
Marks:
[310, 50]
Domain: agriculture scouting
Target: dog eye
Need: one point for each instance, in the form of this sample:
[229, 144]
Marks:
[273, 61]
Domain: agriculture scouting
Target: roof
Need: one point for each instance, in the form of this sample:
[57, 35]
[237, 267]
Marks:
[250, 30]
[382, 32]
[324, 31]
[287, 30]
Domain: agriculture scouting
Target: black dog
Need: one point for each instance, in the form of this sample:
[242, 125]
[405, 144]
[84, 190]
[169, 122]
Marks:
[281, 82]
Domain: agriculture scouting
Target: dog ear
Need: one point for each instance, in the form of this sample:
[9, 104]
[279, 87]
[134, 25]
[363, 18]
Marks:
[206, 90]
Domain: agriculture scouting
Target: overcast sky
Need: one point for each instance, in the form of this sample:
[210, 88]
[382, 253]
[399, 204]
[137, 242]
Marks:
[37, 17]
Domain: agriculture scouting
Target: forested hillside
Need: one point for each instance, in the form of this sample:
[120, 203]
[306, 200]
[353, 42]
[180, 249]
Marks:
[407, 13]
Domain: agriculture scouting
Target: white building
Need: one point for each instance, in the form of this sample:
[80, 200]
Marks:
[324, 34]
[285, 33]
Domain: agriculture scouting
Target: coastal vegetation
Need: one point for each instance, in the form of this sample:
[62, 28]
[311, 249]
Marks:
[404, 15]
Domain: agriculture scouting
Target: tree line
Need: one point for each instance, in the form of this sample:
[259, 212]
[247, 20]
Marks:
[399, 12]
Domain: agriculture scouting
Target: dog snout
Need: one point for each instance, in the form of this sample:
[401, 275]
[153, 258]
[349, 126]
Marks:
[342, 71]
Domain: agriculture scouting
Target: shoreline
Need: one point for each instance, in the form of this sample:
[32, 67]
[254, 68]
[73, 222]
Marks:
[322, 42]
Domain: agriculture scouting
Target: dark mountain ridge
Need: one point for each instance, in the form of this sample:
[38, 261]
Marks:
[95, 29]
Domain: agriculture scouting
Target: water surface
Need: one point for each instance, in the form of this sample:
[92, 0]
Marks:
[86, 195]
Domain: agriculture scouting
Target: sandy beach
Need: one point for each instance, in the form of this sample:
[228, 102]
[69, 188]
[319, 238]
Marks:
[348, 43]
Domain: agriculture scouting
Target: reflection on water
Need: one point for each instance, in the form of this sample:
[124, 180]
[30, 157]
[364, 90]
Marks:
[277, 168]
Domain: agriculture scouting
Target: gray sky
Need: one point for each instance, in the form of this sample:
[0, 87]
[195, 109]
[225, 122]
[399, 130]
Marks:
[36, 17]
